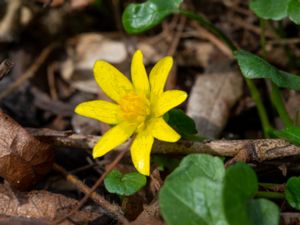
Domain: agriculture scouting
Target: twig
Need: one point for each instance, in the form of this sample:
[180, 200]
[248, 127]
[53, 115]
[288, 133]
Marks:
[254, 150]
[87, 190]
[201, 32]
[5, 66]
[29, 73]
[89, 193]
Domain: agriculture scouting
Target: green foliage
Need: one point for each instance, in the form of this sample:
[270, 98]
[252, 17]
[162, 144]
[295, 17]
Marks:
[141, 17]
[263, 212]
[200, 192]
[240, 185]
[253, 67]
[294, 11]
[277, 10]
[267, 9]
[124, 184]
[291, 134]
[292, 192]
[182, 123]
[192, 193]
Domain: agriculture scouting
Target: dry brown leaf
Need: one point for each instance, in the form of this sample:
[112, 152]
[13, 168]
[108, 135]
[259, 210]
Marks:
[211, 100]
[23, 158]
[150, 215]
[40, 205]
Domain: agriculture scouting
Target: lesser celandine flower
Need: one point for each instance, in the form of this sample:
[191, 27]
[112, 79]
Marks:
[137, 108]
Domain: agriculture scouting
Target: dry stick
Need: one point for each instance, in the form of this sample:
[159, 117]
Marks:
[29, 73]
[203, 33]
[109, 207]
[113, 209]
[254, 150]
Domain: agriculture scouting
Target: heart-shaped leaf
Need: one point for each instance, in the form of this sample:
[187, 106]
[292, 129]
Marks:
[124, 184]
[240, 185]
[141, 17]
[277, 10]
[292, 193]
[192, 193]
[253, 67]
[263, 212]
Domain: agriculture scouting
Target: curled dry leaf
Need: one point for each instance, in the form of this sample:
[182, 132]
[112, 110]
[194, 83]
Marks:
[41, 205]
[23, 158]
[211, 100]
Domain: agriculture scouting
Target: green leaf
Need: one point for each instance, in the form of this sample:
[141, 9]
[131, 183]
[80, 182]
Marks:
[291, 134]
[141, 17]
[192, 193]
[294, 11]
[127, 184]
[240, 185]
[253, 67]
[263, 212]
[292, 192]
[268, 9]
[182, 123]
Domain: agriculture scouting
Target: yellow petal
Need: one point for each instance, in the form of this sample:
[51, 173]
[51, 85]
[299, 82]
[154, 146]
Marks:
[138, 74]
[162, 131]
[103, 111]
[113, 137]
[113, 83]
[168, 100]
[159, 74]
[140, 152]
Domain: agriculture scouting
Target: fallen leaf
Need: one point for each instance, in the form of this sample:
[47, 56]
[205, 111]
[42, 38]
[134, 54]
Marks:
[23, 158]
[40, 205]
[211, 100]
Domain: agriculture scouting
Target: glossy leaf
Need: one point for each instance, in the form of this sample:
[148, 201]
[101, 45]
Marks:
[139, 17]
[240, 185]
[127, 184]
[267, 9]
[253, 67]
[192, 193]
[291, 134]
[292, 192]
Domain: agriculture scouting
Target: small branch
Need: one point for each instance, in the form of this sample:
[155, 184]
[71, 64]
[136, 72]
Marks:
[90, 192]
[254, 150]
[85, 189]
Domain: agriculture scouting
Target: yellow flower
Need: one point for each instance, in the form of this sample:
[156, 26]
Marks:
[138, 108]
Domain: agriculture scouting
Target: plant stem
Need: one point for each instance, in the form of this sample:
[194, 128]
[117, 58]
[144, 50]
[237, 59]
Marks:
[270, 195]
[276, 97]
[279, 105]
[260, 107]
[252, 88]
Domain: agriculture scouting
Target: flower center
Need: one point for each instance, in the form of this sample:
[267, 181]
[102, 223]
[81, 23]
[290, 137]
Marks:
[135, 107]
